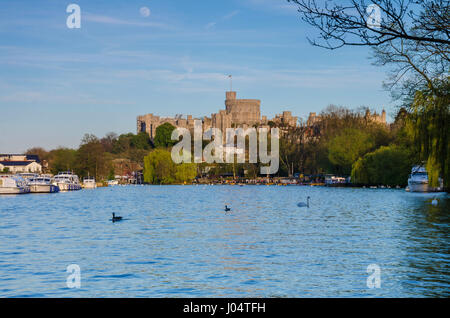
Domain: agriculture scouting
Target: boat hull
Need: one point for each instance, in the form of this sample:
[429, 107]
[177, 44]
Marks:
[14, 190]
[421, 187]
[64, 187]
[44, 188]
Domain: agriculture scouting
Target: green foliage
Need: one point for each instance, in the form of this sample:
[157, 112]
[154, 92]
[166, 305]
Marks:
[62, 159]
[347, 147]
[91, 159]
[141, 141]
[385, 166]
[163, 137]
[186, 172]
[160, 169]
[5, 170]
[112, 174]
[429, 124]
[122, 144]
[40, 152]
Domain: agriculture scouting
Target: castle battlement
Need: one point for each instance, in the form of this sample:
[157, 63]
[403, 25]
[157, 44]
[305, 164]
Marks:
[368, 116]
[237, 113]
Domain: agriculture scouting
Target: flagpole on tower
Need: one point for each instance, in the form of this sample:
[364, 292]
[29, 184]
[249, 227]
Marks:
[231, 82]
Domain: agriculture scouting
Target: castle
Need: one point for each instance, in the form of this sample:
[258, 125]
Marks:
[369, 117]
[237, 113]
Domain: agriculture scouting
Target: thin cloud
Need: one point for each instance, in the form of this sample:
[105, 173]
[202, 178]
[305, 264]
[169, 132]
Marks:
[224, 18]
[111, 20]
[230, 15]
[210, 25]
[278, 5]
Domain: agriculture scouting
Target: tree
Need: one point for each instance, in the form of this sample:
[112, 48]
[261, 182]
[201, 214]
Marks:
[410, 37]
[40, 152]
[108, 141]
[91, 157]
[292, 148]
[141, 141]
[386, 166]
[62, 159]
[137, 155]
[429, 125]
[112, 174]
[159, 167]
[122, 144]
[186, 172]
[163, 137]
[346, 148]
[354, 22]
[131, 146]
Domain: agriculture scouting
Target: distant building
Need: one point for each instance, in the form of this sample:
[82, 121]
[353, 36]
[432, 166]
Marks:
[381, 119]
[368, 116]
[313, 118]
[237, 113]
[20, 163]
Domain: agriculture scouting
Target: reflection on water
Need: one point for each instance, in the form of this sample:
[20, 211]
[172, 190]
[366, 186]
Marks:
[177, 241]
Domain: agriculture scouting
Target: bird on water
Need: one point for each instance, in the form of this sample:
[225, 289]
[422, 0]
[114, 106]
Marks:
[434, 202]
[303, 204]
[116, 218]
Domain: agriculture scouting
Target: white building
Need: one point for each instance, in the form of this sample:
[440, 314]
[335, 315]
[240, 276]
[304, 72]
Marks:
[20, 163]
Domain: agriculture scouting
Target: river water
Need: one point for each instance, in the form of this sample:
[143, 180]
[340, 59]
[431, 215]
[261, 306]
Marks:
[177, 241]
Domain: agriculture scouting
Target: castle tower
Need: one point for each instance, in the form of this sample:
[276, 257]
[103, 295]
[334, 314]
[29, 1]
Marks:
[230, 95]
[243, 111]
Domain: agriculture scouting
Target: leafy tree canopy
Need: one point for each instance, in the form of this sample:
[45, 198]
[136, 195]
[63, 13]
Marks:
[163, 137]
[385, 166]
[347, 147]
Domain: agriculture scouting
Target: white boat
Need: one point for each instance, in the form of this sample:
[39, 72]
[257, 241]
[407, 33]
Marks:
[42, 184]
[28, 175]
[89, 183]
[418, 181]
[67, 181]
[113, 182]
[13, 185]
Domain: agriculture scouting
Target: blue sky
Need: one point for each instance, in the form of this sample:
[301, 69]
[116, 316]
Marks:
[58, 83]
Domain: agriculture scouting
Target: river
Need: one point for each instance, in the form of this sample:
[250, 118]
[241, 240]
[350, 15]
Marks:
[177, 241]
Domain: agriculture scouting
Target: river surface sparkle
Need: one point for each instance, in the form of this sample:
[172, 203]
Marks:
[177, 241]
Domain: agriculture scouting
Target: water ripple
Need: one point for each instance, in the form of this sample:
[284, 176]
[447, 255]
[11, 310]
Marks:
[178, 242]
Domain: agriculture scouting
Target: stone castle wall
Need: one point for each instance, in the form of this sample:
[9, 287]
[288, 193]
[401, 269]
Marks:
[243, 111]
[237, 113]
[369, 117]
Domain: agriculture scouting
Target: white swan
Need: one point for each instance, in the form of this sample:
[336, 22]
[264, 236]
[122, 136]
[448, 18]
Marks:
[434, 202]
[303, 204]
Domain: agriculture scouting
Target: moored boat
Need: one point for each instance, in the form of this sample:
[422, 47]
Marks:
[418, 181]
[67, 181]
[27, 175]
[42, 184]
[113, 182]
[89, 183]
[11, 184]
